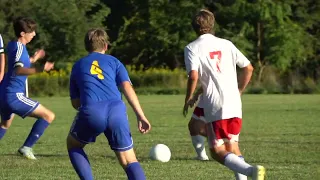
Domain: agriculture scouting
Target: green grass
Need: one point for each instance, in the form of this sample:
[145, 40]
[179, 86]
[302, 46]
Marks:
[281, 132]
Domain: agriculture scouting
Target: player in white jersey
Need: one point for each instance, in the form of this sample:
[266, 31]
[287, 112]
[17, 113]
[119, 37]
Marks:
[213, 61]
[197, 127]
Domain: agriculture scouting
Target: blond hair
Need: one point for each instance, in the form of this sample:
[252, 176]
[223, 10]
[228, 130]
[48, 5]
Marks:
[203, 22]
[96, 40]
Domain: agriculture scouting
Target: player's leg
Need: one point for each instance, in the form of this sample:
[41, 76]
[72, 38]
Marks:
[86, 126]
[6, 121]
[130, 164]
[234, 148]
[79, 158]
[197, 130]
[120, 140]
[221, 141]
[44, 118]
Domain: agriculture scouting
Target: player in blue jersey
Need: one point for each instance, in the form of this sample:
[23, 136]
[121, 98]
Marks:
[2, 59]
[94, 83]
[13, 87]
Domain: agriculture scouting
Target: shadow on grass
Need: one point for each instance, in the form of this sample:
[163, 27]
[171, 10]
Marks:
[111, 157]
[37, 155]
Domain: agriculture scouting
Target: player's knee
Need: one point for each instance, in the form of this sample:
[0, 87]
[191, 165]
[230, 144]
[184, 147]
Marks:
[218, 155]
[126, 157]
[197, 127]
[49, 116]
[203, 130]
[73, 143]
[5, 124]
[192, 128]
[234, 148]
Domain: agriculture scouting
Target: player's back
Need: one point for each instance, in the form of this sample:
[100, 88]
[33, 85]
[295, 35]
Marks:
[218, 59]
[217, 65]
[17, 56]
[97, 78]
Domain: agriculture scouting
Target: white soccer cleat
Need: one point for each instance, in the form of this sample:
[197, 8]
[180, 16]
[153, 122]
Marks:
[27, 152]
[202, 158]
[259, 173]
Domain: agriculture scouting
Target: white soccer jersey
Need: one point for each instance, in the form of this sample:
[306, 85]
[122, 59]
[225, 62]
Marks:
[200, 102]
[215, 59]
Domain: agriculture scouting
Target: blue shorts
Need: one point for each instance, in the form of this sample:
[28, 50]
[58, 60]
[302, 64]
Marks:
[16, 103]
[108, 117]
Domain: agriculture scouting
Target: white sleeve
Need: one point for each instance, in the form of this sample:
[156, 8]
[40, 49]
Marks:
[191, 61]
[239, 58]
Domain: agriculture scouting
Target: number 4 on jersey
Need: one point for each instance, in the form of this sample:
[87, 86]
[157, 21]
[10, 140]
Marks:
[217, 54]
[96, 70]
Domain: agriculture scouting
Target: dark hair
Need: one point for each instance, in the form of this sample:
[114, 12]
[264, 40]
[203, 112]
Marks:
[203, 22]
[24, 24]
[96, 40]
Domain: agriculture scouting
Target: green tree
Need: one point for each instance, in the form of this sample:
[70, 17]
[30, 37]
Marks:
[264, 30]
[156, 33]
[61, 24]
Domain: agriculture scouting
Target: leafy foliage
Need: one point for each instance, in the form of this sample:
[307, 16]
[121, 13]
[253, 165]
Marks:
[152, 33]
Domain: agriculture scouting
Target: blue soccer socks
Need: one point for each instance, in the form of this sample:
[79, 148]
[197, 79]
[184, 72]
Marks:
[135, 172]
[37, 130]
[80, 163]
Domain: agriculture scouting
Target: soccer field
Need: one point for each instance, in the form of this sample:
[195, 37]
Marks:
[281, 132]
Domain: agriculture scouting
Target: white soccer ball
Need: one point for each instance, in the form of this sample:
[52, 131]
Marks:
[160, 152]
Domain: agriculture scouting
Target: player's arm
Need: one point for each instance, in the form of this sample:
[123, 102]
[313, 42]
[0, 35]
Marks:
[74, 91]
[198, 93]
[245, 77]
[191, 85]
[2, 58]
[37, 55]
[132, 98]
[192, 66]
[123, 81]
[23, 71]
[246, 69]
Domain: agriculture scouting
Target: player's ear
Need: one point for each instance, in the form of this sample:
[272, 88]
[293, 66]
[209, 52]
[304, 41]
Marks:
[22, 34]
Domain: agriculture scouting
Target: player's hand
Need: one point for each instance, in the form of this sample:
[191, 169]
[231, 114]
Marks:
[193, 101]
[144, 125]
[187, 104]
[48, 66]
[38, 55]
[185, 110]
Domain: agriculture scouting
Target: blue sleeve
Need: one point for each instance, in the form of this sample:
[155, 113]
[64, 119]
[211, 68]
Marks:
[73, 88]
[18, 54]
[1, 45]
[121, 74]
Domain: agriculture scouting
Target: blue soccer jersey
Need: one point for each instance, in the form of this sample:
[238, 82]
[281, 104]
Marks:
[96, 78]
[13, 86]
[17, 56]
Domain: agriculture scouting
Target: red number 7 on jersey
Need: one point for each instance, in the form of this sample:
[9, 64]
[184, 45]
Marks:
[213, 54]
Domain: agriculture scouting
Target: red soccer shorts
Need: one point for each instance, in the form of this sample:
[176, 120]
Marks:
[225, 130]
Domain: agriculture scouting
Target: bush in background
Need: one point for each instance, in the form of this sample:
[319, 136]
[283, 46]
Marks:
[166, 81]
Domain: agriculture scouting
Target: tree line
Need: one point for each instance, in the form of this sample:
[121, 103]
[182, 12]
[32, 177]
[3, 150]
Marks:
[280, 38]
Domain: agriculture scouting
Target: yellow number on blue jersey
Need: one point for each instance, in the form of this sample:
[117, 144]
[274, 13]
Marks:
[96, 70]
